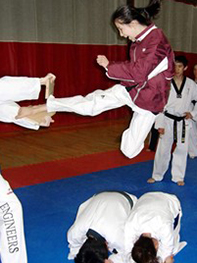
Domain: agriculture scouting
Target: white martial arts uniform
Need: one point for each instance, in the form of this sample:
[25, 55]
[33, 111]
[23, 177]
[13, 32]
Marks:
[106, 214]
[12, 240]
[192, 148]
[15, 89]
[155, 213]
[117, 96]
[102, 100]
[176, 106]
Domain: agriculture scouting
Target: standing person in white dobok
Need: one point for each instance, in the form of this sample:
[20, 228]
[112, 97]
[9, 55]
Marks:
[174, 126]
[192, 150]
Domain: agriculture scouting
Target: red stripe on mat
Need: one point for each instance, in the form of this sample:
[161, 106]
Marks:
[59, 169]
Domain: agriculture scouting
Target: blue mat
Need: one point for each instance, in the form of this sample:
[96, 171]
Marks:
[50, 208]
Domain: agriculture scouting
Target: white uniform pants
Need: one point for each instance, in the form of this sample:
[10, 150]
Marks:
[192, 148]
[178, 246]
[12, 90]
[12, 240]
[102, 100]
[163, 152]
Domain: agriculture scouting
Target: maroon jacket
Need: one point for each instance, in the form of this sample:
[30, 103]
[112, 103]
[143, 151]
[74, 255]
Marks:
[149, 49]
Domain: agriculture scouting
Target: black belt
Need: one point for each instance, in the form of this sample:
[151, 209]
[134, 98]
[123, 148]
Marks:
[177, 118]
[130, 87]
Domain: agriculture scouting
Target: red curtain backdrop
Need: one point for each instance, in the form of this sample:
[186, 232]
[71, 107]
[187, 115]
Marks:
[189, 2]
[36, 46]
[74, 66]
[76, 70]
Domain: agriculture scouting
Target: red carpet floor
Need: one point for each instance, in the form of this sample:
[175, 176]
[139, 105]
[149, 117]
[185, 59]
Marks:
[54, 170]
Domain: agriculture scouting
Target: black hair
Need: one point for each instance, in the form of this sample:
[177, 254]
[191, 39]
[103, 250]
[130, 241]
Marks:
[181, 59]
[126, 14]
[92, 251]
[144, 251]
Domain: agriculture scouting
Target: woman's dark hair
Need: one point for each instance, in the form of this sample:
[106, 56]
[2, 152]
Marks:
[126, 14]
[144, 251]
[92, 251]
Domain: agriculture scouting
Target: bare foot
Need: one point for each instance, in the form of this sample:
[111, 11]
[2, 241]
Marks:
[151, 181]
[43, 118]
[30, 110]
[46, 121]
[181, 183]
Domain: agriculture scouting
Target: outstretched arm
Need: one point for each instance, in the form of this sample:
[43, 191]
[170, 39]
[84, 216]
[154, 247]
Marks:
[24, 88]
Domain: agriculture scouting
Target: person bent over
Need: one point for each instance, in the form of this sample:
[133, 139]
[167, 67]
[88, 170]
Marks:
[99, 228]
[152, 229]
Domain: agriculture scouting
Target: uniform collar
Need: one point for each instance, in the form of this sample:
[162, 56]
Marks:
[145, 32]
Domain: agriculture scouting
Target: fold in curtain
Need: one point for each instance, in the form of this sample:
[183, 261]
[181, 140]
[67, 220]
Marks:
[189, 2]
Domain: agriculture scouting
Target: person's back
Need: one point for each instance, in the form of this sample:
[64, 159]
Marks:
[154, 200]
[103, 216]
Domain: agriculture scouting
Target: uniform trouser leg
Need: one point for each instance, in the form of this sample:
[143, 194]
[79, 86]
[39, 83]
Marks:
[163, 152]
[153, 139]
[178, 246]
[179, 159]
[92, 104]
[19, 88]
[133, 138]
[12, 240]
[103, 100]
[192, 147]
